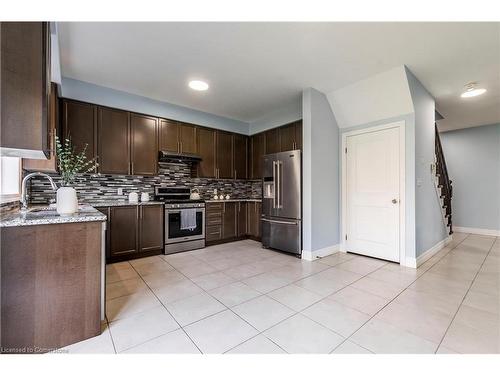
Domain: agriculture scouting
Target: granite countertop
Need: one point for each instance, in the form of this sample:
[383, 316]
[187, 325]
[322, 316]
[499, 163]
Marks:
[48, 215]
[118, 202]
[127, 203]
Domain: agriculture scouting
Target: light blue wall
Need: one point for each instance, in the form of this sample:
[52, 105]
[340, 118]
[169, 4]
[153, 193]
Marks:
[88, 92]
[281, 116]
[473, 159]
[320, 172]
[429, 225]
[409, 121]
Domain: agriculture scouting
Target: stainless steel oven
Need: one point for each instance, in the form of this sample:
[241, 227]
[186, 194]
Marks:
[173, 232]
[178, 239]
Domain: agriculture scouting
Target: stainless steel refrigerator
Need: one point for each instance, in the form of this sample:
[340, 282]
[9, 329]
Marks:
[282, 201]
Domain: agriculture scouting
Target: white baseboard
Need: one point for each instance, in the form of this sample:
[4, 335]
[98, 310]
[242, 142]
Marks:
[415, 262]
[484, 232]
[313, 255]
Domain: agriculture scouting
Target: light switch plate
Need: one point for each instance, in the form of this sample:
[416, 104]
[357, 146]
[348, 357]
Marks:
[119, 191]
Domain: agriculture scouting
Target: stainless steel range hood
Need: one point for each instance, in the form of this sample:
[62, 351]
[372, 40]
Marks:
[174, 157]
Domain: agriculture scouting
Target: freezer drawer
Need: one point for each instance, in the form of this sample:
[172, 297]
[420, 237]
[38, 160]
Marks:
[280, 234]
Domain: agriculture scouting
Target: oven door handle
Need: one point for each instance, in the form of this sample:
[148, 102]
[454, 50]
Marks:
[178, 211]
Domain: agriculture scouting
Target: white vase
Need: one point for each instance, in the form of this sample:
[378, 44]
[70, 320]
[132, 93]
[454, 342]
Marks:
[66, 203]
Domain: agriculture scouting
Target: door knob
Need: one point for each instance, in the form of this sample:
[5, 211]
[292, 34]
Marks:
[394, 201]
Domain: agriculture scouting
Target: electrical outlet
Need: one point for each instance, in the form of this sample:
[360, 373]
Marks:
[119, 191]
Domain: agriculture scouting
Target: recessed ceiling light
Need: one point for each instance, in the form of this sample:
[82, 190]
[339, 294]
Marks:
[198, 85]
[471, 90]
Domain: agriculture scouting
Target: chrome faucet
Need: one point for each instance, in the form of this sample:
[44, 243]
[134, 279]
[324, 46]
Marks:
[24, 194]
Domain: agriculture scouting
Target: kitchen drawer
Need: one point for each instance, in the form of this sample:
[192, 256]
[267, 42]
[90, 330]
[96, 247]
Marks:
[213, 233]
[214, 218]
[215, 207]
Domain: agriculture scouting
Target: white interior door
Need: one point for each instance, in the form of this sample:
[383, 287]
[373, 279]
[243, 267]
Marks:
[373, 193]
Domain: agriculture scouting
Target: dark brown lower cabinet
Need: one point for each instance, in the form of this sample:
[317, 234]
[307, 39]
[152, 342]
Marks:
[242, 219]
[123, 231]
[230, 223]
[134, 231]
[254, 214]
[151, 227]
[213, 220]
[51, 286]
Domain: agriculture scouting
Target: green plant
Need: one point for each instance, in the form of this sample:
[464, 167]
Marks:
[70, 162]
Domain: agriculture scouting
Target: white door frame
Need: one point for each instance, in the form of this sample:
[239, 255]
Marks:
[402, 197]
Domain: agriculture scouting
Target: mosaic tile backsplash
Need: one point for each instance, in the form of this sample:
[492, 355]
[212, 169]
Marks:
[94, 188]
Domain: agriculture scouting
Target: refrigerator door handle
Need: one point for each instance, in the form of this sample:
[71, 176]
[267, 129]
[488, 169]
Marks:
[280, 222]
[274, 184]
[277, 184]
[280, 171]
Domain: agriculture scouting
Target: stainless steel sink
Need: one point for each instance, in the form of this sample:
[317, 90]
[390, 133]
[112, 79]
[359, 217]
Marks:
[41, 209]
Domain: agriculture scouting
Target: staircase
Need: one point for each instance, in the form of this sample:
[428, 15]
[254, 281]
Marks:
[443, 183]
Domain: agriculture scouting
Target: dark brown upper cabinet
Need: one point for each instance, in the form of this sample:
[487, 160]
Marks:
[257, 150]
[206, 144]
[298, 135]
[288, 137]
[25, 89]
[240, 156]
[144, 135]
[151, 227]
[272, 141]
[224, 159]
[79, 123]
[169, 135]
[177, 136]
[187, 138]
[113, 134]
[49, 165]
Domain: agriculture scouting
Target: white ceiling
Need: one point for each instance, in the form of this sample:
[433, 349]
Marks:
[254, 68]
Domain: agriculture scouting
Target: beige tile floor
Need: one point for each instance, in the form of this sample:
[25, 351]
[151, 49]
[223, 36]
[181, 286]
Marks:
[240, 298]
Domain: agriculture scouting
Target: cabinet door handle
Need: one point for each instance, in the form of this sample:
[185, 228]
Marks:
[181, 146]
[235, 174]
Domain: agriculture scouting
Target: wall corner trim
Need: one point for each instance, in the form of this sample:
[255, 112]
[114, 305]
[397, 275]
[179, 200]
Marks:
[320, 253]
[416, 262]
[480, 231]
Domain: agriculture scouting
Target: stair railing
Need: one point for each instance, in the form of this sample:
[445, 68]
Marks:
[444, 182]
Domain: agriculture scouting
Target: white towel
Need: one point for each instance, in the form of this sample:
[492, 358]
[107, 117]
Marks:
[188, 219]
